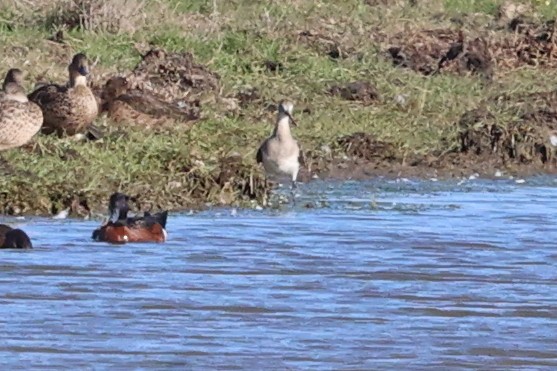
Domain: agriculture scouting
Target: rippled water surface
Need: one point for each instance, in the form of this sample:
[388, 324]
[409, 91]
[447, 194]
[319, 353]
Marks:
[356, 275]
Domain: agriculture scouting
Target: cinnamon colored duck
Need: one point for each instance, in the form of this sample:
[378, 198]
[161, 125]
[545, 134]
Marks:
[121, 229]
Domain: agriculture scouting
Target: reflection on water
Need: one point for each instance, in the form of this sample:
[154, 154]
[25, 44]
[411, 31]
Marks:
[367, 275]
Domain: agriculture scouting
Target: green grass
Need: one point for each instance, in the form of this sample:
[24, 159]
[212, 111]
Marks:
[178, 167]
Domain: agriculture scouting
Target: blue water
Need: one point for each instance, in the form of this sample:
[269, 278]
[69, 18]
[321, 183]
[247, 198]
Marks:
[357, 275]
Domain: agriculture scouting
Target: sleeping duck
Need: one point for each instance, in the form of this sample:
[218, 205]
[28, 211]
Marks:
[20, 119]
[126, 105]
[71, 108]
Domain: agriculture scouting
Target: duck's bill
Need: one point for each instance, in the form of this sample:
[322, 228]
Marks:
[84, 71]
[291, 119]
[114, 215]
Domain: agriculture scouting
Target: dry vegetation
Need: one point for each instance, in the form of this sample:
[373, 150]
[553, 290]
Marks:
[412, 86]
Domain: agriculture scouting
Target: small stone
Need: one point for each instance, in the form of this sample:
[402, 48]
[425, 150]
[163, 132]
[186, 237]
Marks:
[498, 173]
[401, 99]
[173, 184]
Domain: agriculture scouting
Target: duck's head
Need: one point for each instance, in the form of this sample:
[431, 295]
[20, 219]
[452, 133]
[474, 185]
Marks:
[115, 87]
[285, 108]
[79, 69]
[15, 76]
[118, 207]
[12, 86]
[15, 92]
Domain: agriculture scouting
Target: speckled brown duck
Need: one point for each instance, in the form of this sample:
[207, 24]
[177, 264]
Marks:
[20, 119]
[70, 108]
[126, 105]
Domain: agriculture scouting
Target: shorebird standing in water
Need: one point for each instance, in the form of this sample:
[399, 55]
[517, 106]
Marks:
[280, 152]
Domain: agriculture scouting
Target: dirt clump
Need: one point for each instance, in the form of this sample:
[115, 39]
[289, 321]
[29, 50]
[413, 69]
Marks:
[367, 147]
[361, 91]
[173, 76]
[478, 134]
[529, 138]
[523, 41]
[273, 66]
[531, 43]
[247, 96]
[324, 44]
[430, 51]
[509, 10]
[124, 16]
[391, 3]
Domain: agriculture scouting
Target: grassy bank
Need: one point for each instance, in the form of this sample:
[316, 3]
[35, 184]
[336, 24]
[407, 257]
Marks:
[294, 49]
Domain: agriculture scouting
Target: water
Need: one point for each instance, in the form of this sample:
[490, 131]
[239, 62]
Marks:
[358, 275]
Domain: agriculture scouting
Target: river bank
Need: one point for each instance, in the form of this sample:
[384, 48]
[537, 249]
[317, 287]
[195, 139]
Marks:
[376, 91]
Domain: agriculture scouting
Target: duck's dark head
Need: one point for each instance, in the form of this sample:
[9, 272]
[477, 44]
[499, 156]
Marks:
[79, 69]
[285, 108]
[15, 76]
[80, 64]
[118, 206]
[115, 87]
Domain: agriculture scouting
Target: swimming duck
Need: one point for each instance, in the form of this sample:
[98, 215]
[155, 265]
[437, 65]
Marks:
[121, 229]
[280, 153]
[11, 238]
[70, 108]
[124, 104]
[20, 119]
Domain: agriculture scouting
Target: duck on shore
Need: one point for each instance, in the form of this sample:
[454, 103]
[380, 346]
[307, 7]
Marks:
[68, 109]
[126, 105]
[280, 153]
[20, 119]
[121, 229]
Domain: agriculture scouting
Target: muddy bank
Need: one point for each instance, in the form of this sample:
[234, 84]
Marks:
[185, 181]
